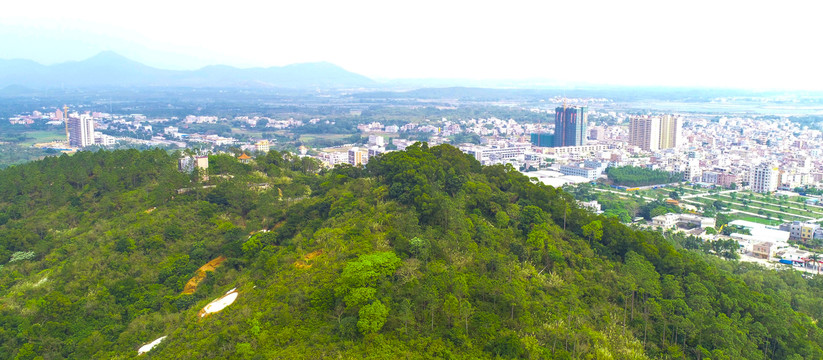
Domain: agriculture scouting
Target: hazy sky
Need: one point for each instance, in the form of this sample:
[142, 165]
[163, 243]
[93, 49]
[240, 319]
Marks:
[741, 44]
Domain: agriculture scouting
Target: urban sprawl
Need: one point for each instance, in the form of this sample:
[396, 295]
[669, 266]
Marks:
[721, 158]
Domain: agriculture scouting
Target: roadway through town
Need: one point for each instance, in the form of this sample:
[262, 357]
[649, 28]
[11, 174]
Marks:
[706, 194]
[751, 213]
[772, 204]
[687, 198]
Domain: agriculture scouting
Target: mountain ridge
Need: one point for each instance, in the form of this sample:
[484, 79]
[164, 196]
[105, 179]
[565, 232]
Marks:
[110, 69]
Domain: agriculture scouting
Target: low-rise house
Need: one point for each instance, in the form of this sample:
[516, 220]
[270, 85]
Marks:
[762, 250]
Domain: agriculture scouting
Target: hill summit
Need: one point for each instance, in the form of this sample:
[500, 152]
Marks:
[423, 253]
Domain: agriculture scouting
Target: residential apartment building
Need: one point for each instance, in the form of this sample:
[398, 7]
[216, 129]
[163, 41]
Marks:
[358, 157]
[652, 133]
[644, 132]
[262, 146]
[671, 131]
[764, 178]
[81, 131]
[802, 231]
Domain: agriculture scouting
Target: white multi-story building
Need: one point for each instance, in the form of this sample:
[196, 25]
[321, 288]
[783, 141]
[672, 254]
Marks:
[581, 170]
[764, 178]
[103, 139]
[262, 146]
[81, 131]
[331, 159]
[358, 157]
[670, 220]
[375, 150]
[488, 155]
[690, 169]
[376, 140]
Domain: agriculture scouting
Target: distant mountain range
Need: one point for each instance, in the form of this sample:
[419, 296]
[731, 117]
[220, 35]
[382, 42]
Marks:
[109, 69]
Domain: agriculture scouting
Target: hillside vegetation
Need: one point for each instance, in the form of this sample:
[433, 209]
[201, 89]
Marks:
[421, 254]
[637, 176]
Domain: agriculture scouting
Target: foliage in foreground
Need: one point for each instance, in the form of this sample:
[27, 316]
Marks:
[423, 254]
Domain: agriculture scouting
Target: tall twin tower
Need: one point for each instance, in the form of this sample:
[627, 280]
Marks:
[654, 133]
[569, 128]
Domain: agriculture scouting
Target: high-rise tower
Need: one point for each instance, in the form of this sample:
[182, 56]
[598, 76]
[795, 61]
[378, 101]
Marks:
[644, 132]
[652, 133]
[81, 131]
[570, 126]
[66, 122]
[671, 131]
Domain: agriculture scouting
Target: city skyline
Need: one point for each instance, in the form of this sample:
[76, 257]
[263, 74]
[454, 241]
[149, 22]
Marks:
[615, 44]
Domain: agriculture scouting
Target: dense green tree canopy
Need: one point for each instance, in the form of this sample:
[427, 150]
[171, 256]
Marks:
[638, 176]
[421, 254]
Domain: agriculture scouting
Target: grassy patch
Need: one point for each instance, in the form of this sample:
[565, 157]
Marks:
[34, 137]
[313, 137]
[755, 219]
[788, 208]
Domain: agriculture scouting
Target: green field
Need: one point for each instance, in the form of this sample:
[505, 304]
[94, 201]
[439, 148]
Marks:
[383, 134]
[34, 137]
[250, 133]
[313, 137]
[794, 200]
[789, 208]
[755, 219]
[659, 193]
[753, 208]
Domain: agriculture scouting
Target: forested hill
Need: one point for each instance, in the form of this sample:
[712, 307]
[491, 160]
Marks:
[422, 254]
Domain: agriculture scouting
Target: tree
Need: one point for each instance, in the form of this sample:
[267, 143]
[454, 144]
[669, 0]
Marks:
[451, 306]
[674, 195]
[593, 230]
[386, 284]
[620, 214]
[367, 269]
[721, 219]
[815, 258]
[372, 317]
[637, 176]
[660, 210]
[466, 311]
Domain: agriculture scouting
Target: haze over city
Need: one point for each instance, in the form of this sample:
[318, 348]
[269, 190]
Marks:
[411, 179]
[698, 44]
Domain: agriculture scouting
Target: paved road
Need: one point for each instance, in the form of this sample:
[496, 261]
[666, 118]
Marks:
[707, 194]
[750, 213]
[687, 197]
[623, 193]
[775, 265]
[771, 204]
